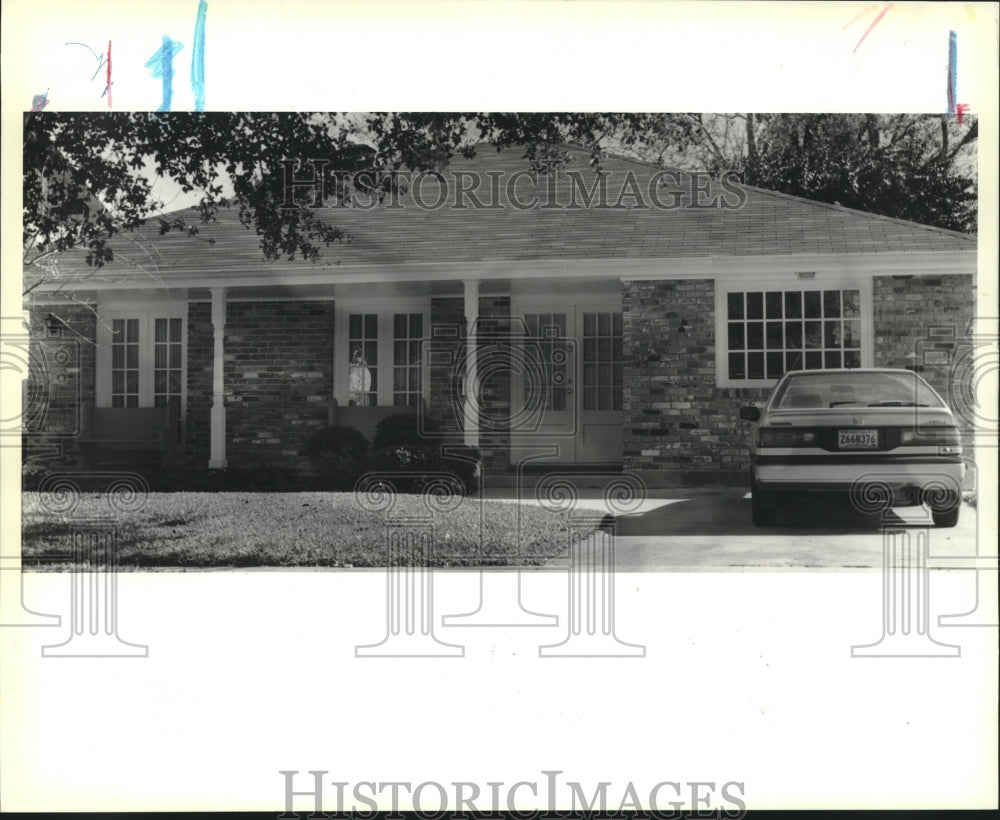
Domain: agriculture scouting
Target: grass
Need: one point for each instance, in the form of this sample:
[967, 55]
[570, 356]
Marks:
[196, 530]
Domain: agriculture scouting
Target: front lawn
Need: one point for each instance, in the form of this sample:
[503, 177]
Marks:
[291, 529]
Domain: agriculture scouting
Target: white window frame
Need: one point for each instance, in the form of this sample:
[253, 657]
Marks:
[385, 308]
[788, 281]
[147, 317]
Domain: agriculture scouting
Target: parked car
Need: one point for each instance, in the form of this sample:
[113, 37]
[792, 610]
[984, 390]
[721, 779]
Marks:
[882, 437]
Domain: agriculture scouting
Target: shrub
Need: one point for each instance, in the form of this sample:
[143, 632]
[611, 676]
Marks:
[337, 456]
[419, 462]
[401, 428]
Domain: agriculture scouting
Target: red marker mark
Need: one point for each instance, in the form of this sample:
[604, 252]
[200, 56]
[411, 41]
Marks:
[107, 88]
[875, 22]
[961, 110]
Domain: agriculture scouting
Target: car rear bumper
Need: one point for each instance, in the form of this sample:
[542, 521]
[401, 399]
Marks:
[839, 473]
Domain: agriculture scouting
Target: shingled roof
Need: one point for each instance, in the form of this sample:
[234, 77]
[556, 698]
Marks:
[766, 223]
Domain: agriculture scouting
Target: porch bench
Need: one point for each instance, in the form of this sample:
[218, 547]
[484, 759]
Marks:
[130, 435]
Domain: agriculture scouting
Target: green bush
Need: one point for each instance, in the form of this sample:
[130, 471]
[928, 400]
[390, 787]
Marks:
[337, 456]
[401, 428]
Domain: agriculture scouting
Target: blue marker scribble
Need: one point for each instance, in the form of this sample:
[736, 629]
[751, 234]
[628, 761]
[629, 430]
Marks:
[39, 101]
[952, 70]
[198, 58]
[162, 67]
[98, 57]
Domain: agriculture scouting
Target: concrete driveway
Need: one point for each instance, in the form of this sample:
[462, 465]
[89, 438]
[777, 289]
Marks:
[709, 529]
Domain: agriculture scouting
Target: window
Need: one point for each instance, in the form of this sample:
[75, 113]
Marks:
[768, 332]
[380, 363]
[602, 361]
[408, 330]
[140, 358]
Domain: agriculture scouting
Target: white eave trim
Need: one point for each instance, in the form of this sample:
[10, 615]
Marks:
[916, 263]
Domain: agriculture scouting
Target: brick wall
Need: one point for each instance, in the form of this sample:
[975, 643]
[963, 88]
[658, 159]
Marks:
[60, 382]
[905, 312]
[199, 383]
[278, 379]
[679, 428]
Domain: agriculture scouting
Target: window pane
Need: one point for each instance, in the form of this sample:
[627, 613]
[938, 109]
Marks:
[131, 381]
[736, 336]
[132, 330]
[831, 303]
[773, 305]
[755, 365]
[616, 324]
[737, 369]
[354, 325]
[755, 335]
[604, 350]
[814, 360]
[589, 375]
[852, 334]
[793, 304]
[812, 304]
[852, 303]
[775, 365]
[604, 324]
[175, 355]
[831, 337]
[175, 330]
[755, 305]
[590, 398]
[175, 383]
[774, 340]
[589, 349]
[852, 358]
[160, 356]
[117, 356]
[161, 330]
[371, 326]
[415, 353]
[371, 353]
[813, 331]
[160, 381]
[117, 381]
[734, 303]
[793, 334]
[131, 356]
[399, 353]
[399, 326]
[416, 325]
[398, 379]
[833, 359]
[616, 348]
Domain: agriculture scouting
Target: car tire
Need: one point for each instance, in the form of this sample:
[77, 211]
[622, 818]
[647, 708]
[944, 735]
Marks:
[945, 518]
[763, 506]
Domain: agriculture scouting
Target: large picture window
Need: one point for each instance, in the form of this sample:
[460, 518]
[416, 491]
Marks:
[771, 331]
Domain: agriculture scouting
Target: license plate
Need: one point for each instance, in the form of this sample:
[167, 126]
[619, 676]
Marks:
[857, 439]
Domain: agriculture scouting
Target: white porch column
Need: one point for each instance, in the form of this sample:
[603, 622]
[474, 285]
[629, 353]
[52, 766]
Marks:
[471, 408]
[217, 439]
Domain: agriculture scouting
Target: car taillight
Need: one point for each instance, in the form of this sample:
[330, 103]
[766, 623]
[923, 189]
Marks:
[943, 436]
[786, 438]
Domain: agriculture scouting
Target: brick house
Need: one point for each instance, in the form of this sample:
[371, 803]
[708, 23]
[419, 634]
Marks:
[652, 305]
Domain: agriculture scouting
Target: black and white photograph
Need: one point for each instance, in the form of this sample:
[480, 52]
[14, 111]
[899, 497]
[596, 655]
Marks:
[416, 459]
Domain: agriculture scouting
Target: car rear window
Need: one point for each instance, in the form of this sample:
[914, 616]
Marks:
[855, 389]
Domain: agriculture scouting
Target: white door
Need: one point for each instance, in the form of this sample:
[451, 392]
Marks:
[566, 389]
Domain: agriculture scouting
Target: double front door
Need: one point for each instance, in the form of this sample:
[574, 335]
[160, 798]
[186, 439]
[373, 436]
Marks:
[566, 390]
